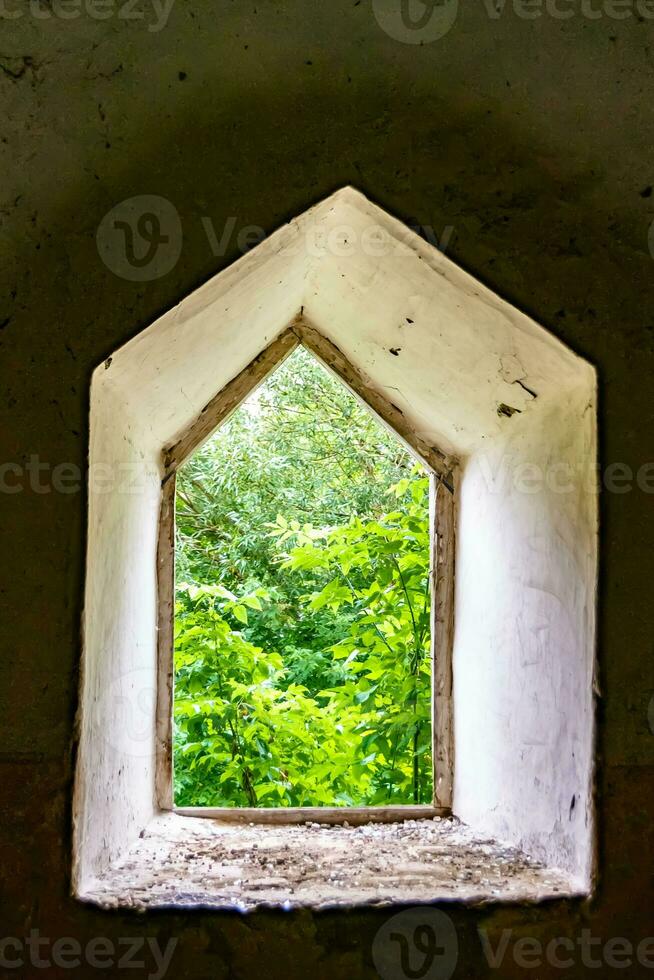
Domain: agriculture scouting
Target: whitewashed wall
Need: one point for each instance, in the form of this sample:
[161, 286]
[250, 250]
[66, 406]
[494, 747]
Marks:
[524, 639]
[447, 352]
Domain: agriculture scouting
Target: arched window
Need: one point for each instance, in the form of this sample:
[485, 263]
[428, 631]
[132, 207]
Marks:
[503, 416]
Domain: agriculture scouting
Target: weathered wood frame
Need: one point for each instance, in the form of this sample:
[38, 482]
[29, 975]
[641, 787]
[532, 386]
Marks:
[442, 471]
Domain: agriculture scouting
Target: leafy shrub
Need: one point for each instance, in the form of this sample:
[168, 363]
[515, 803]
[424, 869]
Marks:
[255, 728]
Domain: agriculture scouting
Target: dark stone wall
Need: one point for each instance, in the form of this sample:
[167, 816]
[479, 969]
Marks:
[529, 139]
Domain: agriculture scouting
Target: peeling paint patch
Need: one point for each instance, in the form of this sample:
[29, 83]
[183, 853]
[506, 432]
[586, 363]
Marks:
[507, 410]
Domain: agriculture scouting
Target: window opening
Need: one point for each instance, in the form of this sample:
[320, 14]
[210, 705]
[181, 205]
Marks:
[302, 665]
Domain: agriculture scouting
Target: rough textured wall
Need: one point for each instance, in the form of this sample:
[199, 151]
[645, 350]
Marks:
[530, 138]
[524, 647]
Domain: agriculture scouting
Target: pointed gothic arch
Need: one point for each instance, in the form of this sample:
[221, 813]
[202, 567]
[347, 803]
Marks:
[494, 404]
[442, 470]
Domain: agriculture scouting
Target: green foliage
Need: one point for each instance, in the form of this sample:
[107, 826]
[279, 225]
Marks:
[302, 668]
[304, 448]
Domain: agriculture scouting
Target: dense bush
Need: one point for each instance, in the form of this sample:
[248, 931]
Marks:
[302, 615]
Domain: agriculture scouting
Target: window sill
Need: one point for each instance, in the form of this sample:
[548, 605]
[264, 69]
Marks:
[181, 862]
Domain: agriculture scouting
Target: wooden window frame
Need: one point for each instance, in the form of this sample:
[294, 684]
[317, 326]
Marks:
[443, 475]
